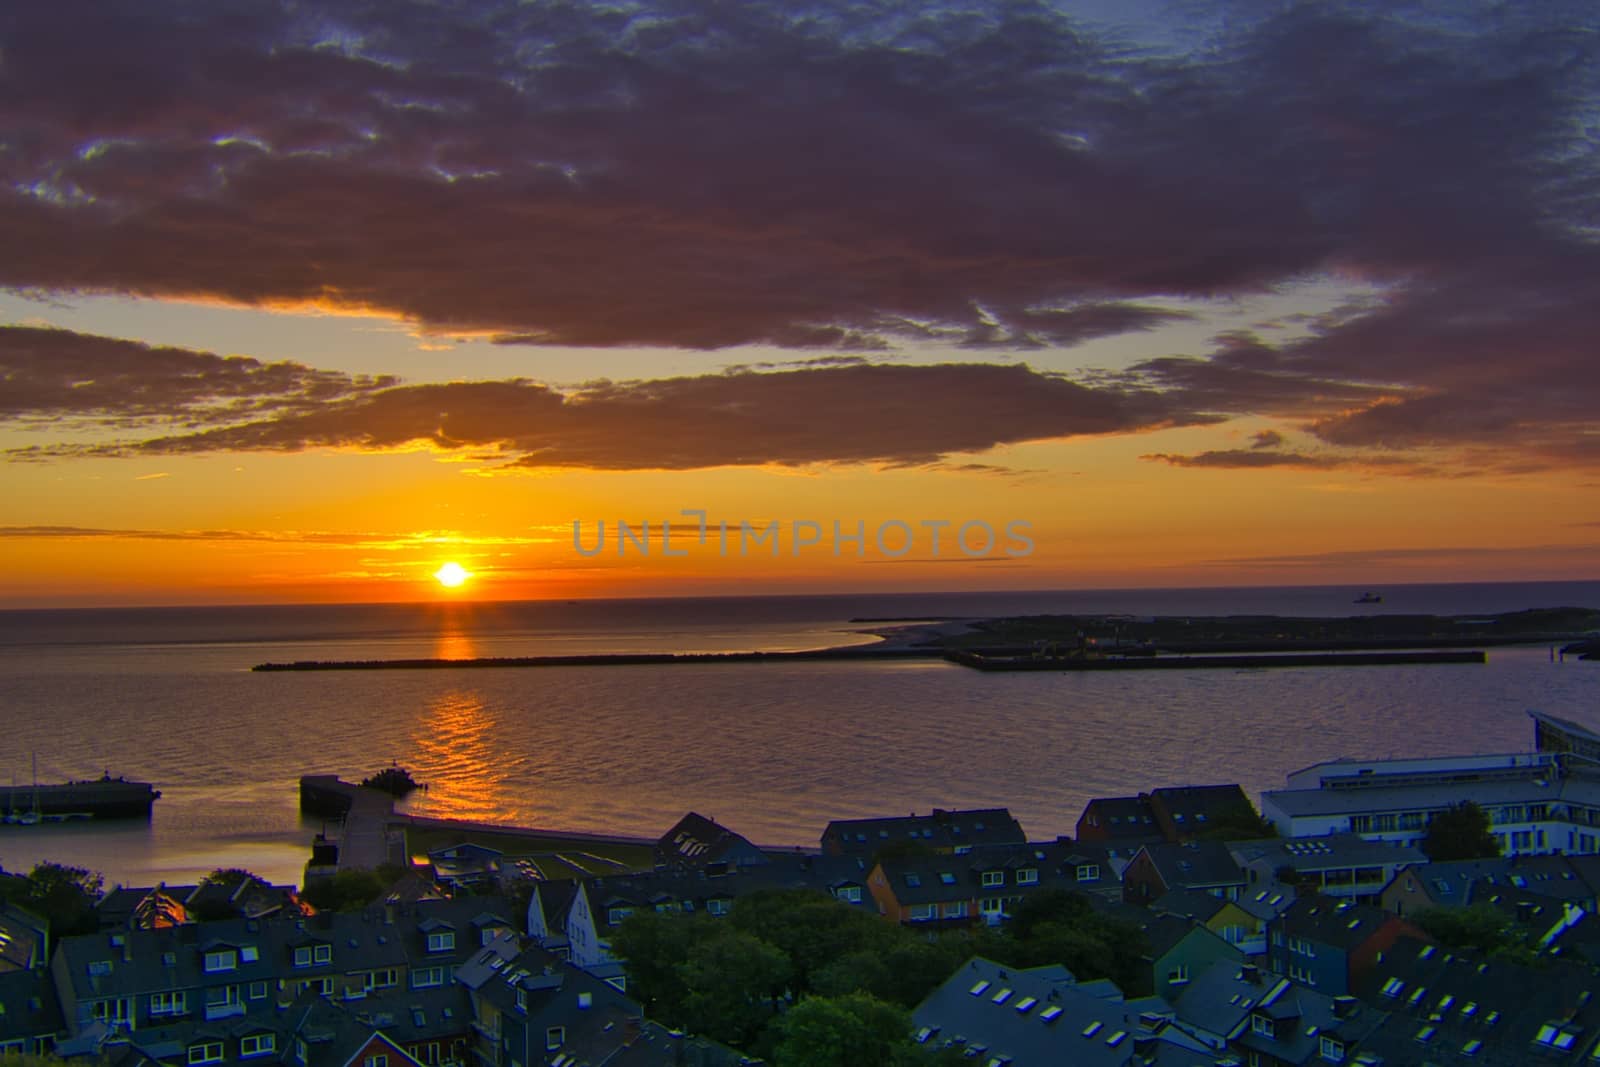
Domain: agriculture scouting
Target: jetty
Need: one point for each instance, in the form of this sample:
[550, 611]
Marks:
[981, 661]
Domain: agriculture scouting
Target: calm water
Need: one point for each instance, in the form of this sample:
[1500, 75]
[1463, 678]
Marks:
[774, 750]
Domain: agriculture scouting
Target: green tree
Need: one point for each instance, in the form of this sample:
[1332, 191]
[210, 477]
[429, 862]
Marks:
[735, 983]
[1480, 928]
[844, 1032]
[1060, 926]
[1460, 832]
[811, 927]
[64, 896]
[351, 889]
[655, 946]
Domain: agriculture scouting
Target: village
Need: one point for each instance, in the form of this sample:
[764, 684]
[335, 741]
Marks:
[1371, 912]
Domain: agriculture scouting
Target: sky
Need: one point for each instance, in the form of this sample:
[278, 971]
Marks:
[299, 302]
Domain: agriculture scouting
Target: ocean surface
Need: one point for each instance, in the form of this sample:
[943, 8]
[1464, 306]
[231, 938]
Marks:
[773, 750]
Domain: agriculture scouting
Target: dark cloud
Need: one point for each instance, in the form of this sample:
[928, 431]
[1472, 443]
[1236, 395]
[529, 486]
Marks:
[844, 175]
[1404, 557]
[1247, 458]
[52, 374]
[905, 415]
[1266, 439]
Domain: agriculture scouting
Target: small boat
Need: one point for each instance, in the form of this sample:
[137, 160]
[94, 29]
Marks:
[1369, 598]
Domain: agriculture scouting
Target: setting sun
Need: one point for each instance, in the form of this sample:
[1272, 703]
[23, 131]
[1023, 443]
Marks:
[452, 575]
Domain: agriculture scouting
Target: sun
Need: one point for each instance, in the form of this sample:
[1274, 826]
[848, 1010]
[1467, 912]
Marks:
[452, 575]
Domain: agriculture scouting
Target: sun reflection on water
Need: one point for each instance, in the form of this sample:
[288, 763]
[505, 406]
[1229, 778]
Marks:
[454, 644]
[456, 756]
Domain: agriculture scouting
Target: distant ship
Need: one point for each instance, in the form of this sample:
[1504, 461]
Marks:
[101, 798]
[1369, 598]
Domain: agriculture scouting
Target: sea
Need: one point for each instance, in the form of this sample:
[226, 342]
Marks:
[773, 750]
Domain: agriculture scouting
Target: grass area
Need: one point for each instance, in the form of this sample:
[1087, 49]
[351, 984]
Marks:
[565, 857]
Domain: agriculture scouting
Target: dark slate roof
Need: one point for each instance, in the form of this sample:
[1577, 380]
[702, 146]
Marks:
[1195, 864]
[1302, 1018]
[1341, 924]
[1267, 900]
[1165, 931]
[411, 1015]
[1463, 999]
[1191, 903]
[680, 889]
[31, 1007]
[657, 1046]
[696, 841]
[22, 938]
[1121, 818]
[959, 876]
[544, 991]
[1219, 999]
[1025, 1018]
[939, 829]
[332, 1032]
[1187, 809]
[1449, 883]
[1309, 855]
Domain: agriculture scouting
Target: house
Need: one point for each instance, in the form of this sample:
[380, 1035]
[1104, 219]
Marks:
[531, 1008]
[1453, 884]
[940, 830]
[984, 884]
[466, 866]
[1215, 1005]
[1449, 1007]
[182, 976]
[698, 843]
[1227, 919]
[1180, 948]
[1119, 823]
[1204, 865]
[1184, 813]
[1329, 944]
[1346, 866]
[24, 939]
[317, 1033]
[30, 1014]
[1042, 1017]
[1293, 1025]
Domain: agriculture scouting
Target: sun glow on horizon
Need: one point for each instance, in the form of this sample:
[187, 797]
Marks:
[452, 575]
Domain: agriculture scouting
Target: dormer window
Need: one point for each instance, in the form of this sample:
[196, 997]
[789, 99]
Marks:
[1262, 1024]
[1028, 876]
[1332, 1051]
[322, 953]
[445, 940]
[994, 878]
[1088, 872]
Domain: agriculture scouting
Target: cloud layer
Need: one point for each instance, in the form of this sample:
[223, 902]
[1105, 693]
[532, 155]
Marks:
[842, 175]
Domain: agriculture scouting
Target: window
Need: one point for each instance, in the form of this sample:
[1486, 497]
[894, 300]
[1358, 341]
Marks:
[382, 979]
[1028, 876]
[851, 893]
[1088, 872]
[209, 1052]
[249, 954]
[1301, 974]
[445, 940]
[1552, 1036]
[323, 953]
[258, 991]
[1026, 1004]
[424, 977]
[979, 987]
[991, 905]
[1178, 975]
[1261, 1024]
[947, 878]
[222, 996]
[114, 1011]
[921, 912]
[380, 1060]
[956, 910]
[257, 1045]
[614, 916]
[168, 1003]
[913, 880]
[1392, 987]
[716, 907]
[225, 960]
[991, 878]
[302, 956]
[1332, 1051]
[555, 1037]
[1002, 996]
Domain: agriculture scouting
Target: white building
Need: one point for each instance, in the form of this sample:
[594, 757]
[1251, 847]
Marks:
[1546, 801]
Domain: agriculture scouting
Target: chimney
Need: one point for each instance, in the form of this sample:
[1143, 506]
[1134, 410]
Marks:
[1344, 1007]
[1250, 973]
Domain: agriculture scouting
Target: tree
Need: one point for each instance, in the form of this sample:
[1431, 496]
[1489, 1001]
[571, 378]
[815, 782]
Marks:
[1480, 928]
[655, 945]
[735, 983]
[351, 889]
[64, 896]
[811, 927]
[1460, 832]
[1060, 926]
[843, 1032]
